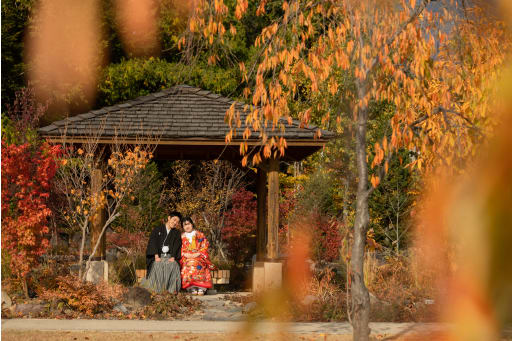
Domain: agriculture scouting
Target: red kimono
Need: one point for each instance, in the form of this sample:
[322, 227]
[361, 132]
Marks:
[195, 271]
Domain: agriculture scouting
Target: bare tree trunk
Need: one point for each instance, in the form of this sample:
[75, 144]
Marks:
[98, 242]
[221, 252]
[360, 296]
[397, 220]
[24, 284]
[81, 259]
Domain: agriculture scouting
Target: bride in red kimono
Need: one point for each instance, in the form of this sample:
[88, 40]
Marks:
[195, 262]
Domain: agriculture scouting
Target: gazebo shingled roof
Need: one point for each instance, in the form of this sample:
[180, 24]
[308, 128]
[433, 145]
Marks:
[189, 119]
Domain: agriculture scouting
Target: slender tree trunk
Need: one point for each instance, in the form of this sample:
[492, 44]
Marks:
[397, 220]
[98, 242]
[24, 285]
[360, 296]
[221, 252]
[81, 257]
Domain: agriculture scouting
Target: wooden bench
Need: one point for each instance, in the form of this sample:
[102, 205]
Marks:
[218, 277]
[140, 273]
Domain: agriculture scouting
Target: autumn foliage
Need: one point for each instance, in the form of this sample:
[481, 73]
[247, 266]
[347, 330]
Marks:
[130, 242]
[239, 232]
[83, 202]
[347, 55]
[328, 237]
[80, 296]
[27, 171]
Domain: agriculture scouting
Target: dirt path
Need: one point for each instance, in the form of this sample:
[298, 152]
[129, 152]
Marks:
[159, 336]
[216, 308]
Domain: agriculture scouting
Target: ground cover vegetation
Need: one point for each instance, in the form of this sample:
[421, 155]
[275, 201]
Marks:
[406, 86]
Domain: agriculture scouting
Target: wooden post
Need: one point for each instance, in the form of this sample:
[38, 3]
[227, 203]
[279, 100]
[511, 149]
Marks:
[99, 219]
[261, 235]
[273, 210]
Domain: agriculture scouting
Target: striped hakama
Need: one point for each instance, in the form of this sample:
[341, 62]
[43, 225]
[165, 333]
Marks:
[164, 276]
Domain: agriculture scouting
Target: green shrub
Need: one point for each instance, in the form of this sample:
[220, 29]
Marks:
[138, 77]
[122, 271]
[144, 210]
[319, 194]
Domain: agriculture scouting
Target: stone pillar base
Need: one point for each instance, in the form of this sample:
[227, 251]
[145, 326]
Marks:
[258, 277]
[98, 271]
[266, 276]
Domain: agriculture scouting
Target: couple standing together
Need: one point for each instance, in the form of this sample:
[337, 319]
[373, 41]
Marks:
[176, 260]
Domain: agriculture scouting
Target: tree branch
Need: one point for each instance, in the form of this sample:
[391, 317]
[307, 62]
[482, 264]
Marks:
[444, 111]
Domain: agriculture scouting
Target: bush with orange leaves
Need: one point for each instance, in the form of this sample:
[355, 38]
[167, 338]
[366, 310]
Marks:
[83, 298]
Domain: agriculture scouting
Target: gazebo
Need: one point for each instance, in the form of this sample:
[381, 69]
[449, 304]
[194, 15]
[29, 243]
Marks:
[190, 125]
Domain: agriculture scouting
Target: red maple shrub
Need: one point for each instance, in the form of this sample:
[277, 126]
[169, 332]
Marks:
[325, 232]
[287, 212]
[27, 171]
[327, 238]
[133, 243]
[239, 232]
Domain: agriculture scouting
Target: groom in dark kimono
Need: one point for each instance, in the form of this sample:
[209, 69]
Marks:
[161, 237]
